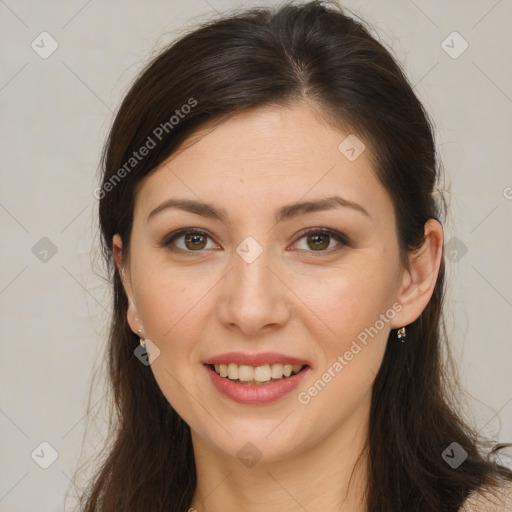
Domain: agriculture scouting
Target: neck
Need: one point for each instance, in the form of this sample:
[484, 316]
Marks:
[328, 476]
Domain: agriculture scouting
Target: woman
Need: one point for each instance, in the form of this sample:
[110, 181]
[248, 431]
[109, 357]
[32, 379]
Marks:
[269, 215]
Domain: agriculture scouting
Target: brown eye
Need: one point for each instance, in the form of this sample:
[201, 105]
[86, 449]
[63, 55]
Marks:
[194, 240]
[319, 240]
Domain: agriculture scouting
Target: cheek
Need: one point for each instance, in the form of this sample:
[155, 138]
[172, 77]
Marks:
[172, 307]
[346, 299]
[169, 300]
[357, 311]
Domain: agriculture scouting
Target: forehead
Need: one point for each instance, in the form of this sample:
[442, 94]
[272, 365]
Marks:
[271, 133]
[268, 156]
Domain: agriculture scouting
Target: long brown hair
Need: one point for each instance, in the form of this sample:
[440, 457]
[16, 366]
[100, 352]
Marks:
[243, 61]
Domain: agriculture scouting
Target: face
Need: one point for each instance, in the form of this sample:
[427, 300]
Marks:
[265, 287]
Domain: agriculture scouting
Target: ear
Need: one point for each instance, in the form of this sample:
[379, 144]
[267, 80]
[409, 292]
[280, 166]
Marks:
[418, 282]
[132, 314]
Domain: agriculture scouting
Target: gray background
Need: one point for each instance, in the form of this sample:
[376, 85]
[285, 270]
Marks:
[55, 115]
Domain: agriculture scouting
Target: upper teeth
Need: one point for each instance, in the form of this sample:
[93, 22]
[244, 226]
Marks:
[258, 373]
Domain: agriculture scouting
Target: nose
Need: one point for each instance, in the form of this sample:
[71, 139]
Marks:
[254, 297]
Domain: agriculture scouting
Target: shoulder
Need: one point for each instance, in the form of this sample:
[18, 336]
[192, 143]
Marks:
[499, 500]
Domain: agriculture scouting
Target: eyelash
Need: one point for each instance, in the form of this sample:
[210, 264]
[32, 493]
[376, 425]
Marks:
[339, 237]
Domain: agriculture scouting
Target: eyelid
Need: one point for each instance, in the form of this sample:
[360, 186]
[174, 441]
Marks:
[167, 241]
[341, 238]
[333, 233]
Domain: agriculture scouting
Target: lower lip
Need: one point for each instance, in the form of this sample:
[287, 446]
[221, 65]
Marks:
[262, 394]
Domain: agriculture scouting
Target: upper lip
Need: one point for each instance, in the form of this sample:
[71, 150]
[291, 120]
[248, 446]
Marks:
[255, 359]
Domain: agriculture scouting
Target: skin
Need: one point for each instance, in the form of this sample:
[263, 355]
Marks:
[294, 299]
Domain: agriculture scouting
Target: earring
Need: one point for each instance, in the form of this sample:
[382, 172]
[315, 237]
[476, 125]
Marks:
[142, 340]
[401, 335]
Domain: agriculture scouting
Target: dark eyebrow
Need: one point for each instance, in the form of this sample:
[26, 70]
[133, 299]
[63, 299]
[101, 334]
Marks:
[285, 213]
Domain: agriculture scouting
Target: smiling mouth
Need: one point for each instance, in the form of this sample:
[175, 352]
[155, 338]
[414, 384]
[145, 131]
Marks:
[256, 375]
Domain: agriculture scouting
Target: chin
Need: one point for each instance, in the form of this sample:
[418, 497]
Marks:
[263, 441]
